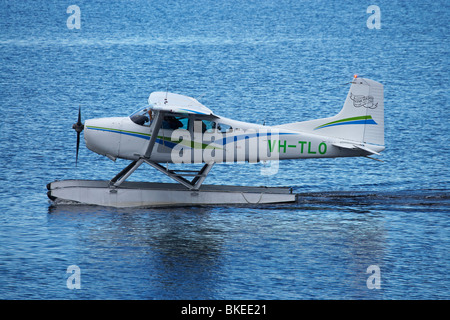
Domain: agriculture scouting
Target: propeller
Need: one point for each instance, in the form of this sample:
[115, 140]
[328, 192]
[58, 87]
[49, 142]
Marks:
[78, 127]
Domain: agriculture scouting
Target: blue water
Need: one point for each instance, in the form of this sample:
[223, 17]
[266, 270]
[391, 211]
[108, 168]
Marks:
[256, 61]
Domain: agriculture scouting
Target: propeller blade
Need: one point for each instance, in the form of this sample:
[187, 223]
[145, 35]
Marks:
[78, 148]
[78, 127]
[79, 117]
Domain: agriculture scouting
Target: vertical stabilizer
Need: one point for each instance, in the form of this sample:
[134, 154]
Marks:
[360, 120]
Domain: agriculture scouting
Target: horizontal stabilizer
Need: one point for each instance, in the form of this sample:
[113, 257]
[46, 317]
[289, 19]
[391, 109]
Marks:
[367, 149]
[354, 147]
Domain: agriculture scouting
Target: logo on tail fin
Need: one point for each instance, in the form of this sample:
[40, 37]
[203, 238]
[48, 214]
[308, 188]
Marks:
[363, 101]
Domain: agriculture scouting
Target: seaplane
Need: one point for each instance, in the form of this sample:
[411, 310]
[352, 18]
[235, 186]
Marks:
[177, 129]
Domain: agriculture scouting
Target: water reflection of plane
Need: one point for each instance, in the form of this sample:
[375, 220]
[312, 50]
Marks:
[320, 247]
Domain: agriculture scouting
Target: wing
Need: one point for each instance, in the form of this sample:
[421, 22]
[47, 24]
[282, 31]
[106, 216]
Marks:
[172, 102]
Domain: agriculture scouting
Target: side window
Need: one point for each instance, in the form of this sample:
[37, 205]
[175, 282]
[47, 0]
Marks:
[174, 123]
[208, 126]
[205, 125]
[224, 128]
[184, 122]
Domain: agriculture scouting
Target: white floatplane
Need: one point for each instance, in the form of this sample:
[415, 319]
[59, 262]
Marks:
[174, 128]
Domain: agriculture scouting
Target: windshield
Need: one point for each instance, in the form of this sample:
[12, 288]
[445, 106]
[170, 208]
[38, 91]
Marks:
[142, 117]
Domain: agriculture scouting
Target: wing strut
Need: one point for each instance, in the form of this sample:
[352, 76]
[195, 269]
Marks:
[156, 125]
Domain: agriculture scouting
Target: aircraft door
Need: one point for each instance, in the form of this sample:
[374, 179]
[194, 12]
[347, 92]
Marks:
[170, 123]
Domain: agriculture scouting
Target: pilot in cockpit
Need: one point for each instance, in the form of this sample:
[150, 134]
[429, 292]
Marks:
[150, 114]
[170, 122]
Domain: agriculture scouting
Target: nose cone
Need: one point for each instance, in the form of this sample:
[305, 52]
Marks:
[102, 136]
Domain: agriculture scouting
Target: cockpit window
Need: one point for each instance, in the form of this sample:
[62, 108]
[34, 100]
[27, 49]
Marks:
[142, 117]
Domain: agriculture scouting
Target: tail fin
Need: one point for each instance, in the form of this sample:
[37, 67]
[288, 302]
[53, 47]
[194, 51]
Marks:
[360, 120]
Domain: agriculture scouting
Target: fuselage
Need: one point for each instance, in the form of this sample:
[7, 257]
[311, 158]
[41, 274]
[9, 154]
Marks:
[199, 139]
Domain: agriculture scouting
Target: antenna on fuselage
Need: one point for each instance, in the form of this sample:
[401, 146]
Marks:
[167, 92]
